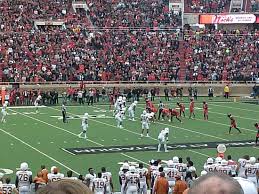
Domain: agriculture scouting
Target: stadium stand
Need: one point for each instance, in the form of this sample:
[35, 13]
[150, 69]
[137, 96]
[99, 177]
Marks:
[206, 6]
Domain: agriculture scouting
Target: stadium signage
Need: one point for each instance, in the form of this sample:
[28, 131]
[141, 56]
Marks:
[144, 148]
[227, 19]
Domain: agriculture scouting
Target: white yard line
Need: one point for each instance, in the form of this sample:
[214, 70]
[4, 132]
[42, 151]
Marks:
[64, 130]
[42, 153]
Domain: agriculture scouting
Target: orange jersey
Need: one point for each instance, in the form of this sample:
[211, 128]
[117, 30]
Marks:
[191, 106]
[182, 107]
[174, 112]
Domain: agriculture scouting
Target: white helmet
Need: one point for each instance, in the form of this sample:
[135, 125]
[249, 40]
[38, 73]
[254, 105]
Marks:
[120, 97]
[123, 98]
[252, 160]
[86, 114]
[24, 166]
[218, 160]
[52, 169]
[6, 103]
[135, 102]
[132, 169]
[209, 161]
[125, 166]
[170, 163]
[144, 112]
[204, 172]
[167, 131]
[175, 159]
[224, 162]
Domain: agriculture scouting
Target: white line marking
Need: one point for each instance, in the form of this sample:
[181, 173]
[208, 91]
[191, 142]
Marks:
[24, 107]
[35, 149]
[67, 151]
[249, 110]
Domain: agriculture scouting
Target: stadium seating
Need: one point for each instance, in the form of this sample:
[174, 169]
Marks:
[206, 6]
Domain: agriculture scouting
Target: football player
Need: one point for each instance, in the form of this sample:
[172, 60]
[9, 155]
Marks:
[170, 172]
[142, 179]
[205, 111]
[162, 139]
[4, 111]
[84, 125]
[241, 166]
[182, 108]
[132, 181]
[64, 113]
[131, 110]
[191, 107]
[99, 184]
[174, 113]
[54, 175]
[23, 179]
[233, 124]
[145, 123]
[119, 118]
[257, 134]
[90, 177]
[8, 188]
[182, 168]
[209, 166]
[252, 170]
[108, 177]
[37, 102]
[224, 168]
[122, 175]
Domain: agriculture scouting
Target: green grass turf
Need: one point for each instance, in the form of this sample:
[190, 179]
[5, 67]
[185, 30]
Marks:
[37, 138]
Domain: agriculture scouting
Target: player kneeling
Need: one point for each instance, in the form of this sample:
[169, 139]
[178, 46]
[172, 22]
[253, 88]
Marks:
[174, 113]
[162, 139]
[132, 184]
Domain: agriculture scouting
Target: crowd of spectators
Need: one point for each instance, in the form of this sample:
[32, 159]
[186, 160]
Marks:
[207, 6]
[222, 55]
[255, 5]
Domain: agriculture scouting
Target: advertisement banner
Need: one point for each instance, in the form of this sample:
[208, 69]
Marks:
[227, 19]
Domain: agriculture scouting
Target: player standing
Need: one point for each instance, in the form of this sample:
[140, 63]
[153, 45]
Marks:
[23, 179]
[205, 111]
[142, 179]
[99, 184]
[119, 118]
[4, 111]
[170, 172]
[64, 113]
[37, 102]
[8, 188]
[108, 177]
[54, 175]
[192, 114]
[252, 170]
[132, 181]
[182, 108]
[84, 126]
[144, 122]
[90, 177]
[131, 110]
[257, 134]
[122, 175]
[233, 124]
[224, 168]
[162, 139]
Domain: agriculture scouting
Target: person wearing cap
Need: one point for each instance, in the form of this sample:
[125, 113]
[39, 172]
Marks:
[161, 185]
[180, 185]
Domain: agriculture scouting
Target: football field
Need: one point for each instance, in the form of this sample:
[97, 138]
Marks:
[44, 139]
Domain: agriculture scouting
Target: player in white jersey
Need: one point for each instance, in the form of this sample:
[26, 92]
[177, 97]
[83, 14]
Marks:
[37, 102]
[122, 176]
[118, 105]
[54, 175]
[142, 179]
[90, 177]
[23, 179]
[4, 111]
[132, 181]
[241, 166]
[144, 122]
[162, 139]
[119, 119]
[108, 177]
[252, 170]
[99, 184]
[84, 125]
[224, 168]
[209, 166]
[131, 110]
[170, 172]
[8, 188]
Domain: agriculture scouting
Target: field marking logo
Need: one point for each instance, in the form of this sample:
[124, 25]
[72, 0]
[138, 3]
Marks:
[5, 171]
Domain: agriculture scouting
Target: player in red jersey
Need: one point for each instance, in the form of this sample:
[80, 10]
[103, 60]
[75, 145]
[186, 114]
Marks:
[192, 109]
[205, 111]
[233, 124]
[257, 134]
[182, 108]
[174, 113]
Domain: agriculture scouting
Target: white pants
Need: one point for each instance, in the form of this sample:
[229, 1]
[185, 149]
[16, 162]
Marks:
[122, 189]
[131, 114]
[24, 190]
[143, 188]
[145, 125]
[108, 189]
[84, 127]
[132, 190]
